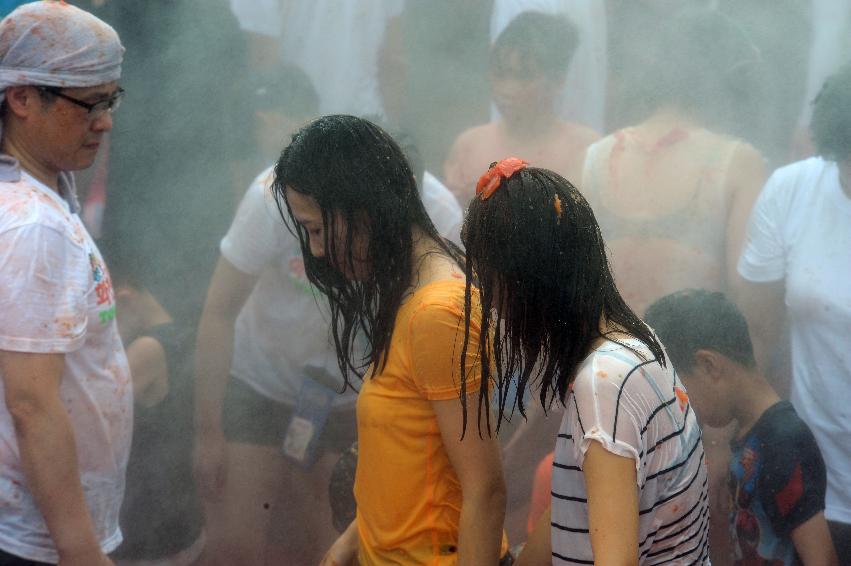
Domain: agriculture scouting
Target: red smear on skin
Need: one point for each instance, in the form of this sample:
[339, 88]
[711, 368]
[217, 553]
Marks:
[674, 136]
[457, 276]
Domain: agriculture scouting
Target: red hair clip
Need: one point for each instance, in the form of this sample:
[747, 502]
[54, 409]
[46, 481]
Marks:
[490, 181]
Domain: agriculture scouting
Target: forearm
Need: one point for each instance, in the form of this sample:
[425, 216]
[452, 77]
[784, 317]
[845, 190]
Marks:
[813, 543]
[49, 459]
[480, 527]
[538, 549]
[212, 370]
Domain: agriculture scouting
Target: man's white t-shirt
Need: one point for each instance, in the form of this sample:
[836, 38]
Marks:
[282, 334]
[800, 233]
[637, 409]
[56, 297]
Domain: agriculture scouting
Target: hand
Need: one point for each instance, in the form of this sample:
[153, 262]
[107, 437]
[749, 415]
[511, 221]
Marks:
[343, 552]
[210, 467]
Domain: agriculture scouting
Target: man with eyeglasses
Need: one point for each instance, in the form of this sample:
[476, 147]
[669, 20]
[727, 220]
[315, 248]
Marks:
[65, 400]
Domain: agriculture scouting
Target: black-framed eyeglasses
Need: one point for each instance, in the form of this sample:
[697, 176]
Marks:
[95, 109]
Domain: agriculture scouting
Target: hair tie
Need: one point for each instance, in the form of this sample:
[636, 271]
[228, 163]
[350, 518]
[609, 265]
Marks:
[490, 181]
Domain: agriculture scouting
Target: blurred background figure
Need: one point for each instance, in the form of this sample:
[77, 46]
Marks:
[782, 32]
[584, 96]
[673, 192]
[336, 43]
[279, 101]
[829, 49]
[529, 63]
[795, 268]
[171, 168]
[262, 343]
[767, 117]
[161, 513]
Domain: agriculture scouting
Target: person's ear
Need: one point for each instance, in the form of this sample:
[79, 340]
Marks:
[20, 99]
[710, 364]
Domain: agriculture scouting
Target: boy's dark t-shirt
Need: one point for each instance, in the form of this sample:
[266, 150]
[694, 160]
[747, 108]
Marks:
[161, 513]
[777, 481]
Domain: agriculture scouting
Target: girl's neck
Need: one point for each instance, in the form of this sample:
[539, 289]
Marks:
[430, 261]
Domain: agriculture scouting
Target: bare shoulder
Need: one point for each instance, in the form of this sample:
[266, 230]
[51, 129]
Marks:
[476, 135]
[580, 134]
[747, 168]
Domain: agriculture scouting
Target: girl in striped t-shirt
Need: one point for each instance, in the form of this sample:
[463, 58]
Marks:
[629, 477]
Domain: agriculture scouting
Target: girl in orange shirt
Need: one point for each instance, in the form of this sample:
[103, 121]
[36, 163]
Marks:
[427, 493]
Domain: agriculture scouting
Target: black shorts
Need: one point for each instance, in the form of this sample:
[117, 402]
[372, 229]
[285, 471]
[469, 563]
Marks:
[250, 418]
[7, 559]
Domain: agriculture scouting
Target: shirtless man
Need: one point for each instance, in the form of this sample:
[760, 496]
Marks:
[529, 63]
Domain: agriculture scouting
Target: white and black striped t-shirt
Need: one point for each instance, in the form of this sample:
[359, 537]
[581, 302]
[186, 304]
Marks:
[637, 409]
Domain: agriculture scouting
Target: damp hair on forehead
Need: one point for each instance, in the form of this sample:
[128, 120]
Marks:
[357, 174]
[542, 43]
[696, 319]
[535, 251]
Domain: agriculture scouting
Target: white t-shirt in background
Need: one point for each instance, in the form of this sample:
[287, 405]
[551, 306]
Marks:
[56, 297]
[335, 42]
[282, 333]
[800, 233]
[442, 207]
[639, 410]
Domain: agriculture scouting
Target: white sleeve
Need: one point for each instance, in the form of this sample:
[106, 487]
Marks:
[763, 257]
[44, 294]
[255, 236]
[610, 409]
[258, 16]
[442, 207]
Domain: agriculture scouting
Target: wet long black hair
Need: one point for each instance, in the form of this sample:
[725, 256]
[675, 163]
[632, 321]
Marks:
[359, 176]
[544, 284]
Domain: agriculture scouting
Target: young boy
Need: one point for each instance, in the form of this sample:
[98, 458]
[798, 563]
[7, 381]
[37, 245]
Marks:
[777, 475]
[529, 63]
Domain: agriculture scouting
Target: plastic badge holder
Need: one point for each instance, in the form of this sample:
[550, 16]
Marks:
[301, 442]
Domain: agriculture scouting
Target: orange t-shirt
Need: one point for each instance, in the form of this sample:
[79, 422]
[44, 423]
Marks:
[408, 495]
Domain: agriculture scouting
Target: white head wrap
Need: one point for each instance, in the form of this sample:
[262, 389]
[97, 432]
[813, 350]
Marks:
[52, 43]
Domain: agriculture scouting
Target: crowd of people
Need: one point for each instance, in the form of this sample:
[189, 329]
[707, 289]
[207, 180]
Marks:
[513, 282]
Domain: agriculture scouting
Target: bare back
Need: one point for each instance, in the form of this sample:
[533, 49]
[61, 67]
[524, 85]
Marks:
[665, 198]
